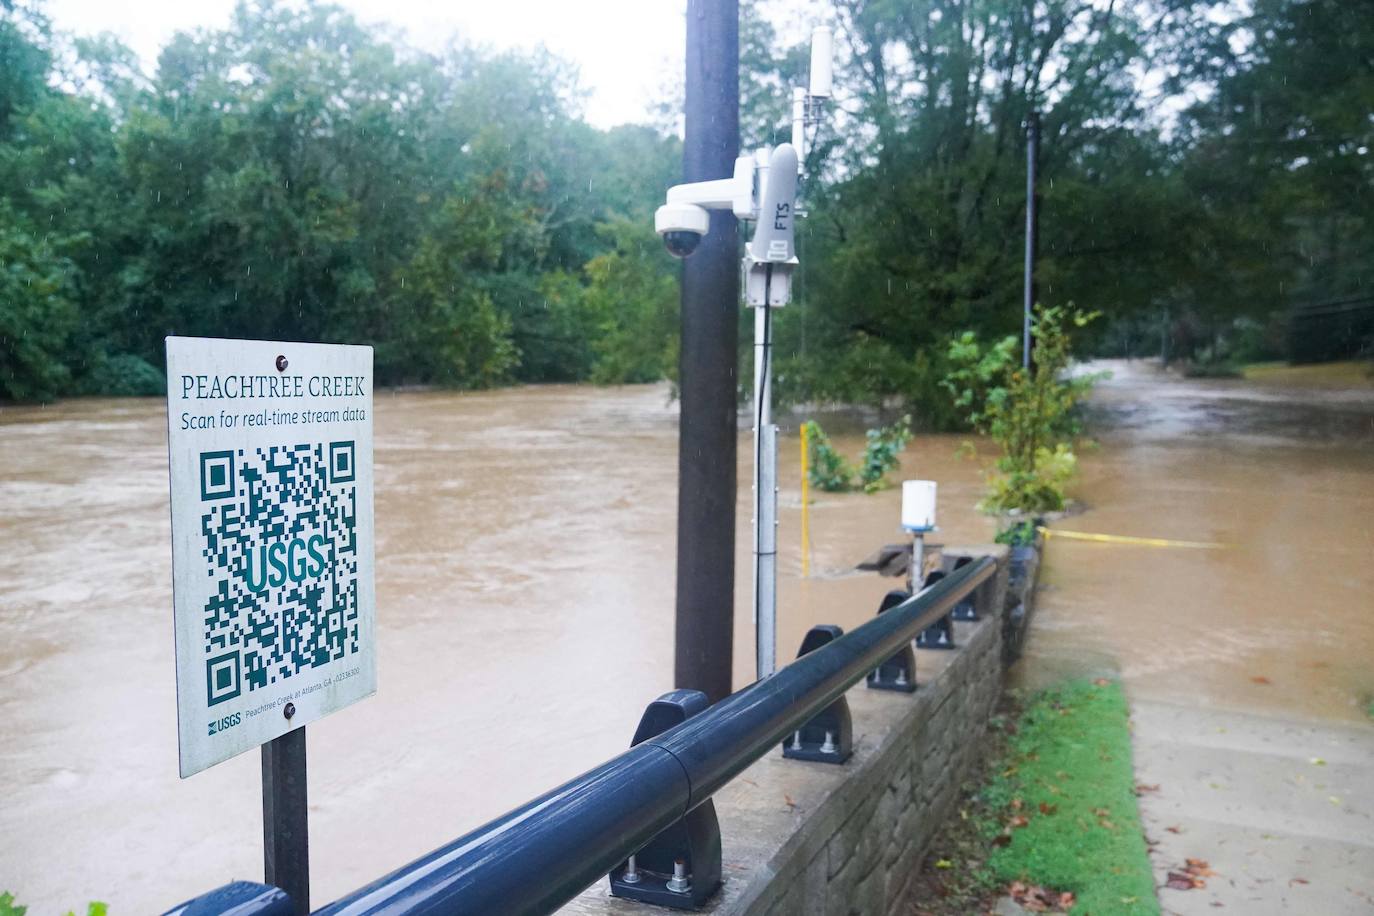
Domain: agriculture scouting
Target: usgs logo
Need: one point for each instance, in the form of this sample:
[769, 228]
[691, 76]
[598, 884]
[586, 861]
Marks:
[297, 560]
[228, 722]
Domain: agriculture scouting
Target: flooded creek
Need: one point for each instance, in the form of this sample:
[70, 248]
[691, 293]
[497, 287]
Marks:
[525, 549]
[1281, 618]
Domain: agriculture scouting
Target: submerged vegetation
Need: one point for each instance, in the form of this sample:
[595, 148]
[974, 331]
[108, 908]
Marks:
[829, 471]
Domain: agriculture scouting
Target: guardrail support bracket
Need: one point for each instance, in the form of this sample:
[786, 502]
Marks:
[898, 672]
[940, 634]
[681, 867]
[829, 736]
[966, 610]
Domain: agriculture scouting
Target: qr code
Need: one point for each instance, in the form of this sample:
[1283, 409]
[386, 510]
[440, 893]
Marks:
[280, 540]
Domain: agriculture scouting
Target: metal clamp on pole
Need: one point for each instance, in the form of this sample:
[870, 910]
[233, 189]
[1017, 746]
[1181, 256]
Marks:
[681, 866]
[829, 736]
[940, 634]
[899, 671]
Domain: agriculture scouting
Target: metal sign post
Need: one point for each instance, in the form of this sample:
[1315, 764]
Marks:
[270, 457]
[285, 829]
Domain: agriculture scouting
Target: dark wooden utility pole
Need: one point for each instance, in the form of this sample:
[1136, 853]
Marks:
[707, 371]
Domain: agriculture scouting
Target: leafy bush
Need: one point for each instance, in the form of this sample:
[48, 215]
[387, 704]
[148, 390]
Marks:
[1021, 534]
[9, 908]
[829, 470]
[881, 448]
[1029, 414]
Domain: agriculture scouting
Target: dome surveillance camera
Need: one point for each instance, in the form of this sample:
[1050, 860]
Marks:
[682, 226]
[681, 243]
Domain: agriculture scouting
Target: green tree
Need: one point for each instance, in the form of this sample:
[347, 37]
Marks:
[632, 296]
[1027, 412]
[37, 313]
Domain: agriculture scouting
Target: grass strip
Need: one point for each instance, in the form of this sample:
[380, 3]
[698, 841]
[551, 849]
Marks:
[1067, 800]
[1048, 815]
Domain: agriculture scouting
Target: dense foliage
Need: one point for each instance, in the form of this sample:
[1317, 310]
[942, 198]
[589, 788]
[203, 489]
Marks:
[299, 176]
[1027, 412]
[1205, 177]
[1196, 207]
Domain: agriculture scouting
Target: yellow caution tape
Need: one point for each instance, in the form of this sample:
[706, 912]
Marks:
[1126, 539]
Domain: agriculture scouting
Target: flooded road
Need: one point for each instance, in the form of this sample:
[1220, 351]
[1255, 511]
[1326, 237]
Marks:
[525, 599]
[1280, 620]
[525, 617]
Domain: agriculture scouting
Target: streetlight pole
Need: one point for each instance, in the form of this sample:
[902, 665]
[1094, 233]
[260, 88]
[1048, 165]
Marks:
[1032, 232]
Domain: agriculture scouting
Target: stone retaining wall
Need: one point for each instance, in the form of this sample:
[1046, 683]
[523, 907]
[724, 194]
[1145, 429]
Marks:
[814, 838]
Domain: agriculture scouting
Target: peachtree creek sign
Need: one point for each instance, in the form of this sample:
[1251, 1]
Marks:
[270, 448]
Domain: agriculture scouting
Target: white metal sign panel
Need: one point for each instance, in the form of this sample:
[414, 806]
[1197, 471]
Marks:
[270, 448]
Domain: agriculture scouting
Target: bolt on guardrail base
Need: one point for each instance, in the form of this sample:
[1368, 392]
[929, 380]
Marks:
[681, 867]
[829, 736]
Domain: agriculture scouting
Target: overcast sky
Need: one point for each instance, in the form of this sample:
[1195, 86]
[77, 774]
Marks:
[626, 50]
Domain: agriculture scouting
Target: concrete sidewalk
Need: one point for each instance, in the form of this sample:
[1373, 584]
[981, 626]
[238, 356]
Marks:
[1283, 811]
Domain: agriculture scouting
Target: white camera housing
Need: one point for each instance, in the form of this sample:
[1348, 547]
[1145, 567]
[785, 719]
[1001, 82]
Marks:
[683, 220]
[682, 226]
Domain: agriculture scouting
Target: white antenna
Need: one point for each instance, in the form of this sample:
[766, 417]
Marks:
[822, 62]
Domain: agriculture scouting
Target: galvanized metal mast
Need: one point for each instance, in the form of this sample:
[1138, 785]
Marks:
[708, 370]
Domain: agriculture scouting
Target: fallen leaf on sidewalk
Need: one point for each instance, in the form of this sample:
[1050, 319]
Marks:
[1317, 762]
[1191, 876]
[1261, 679]
[787, 799]
[1141, 788]
[1174, 829]
[1293, 881]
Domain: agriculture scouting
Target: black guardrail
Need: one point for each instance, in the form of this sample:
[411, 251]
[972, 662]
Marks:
[541, 855]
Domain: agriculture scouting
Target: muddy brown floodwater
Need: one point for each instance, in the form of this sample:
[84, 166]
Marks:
[525, 551]
[525, 608]
[1280, 620]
